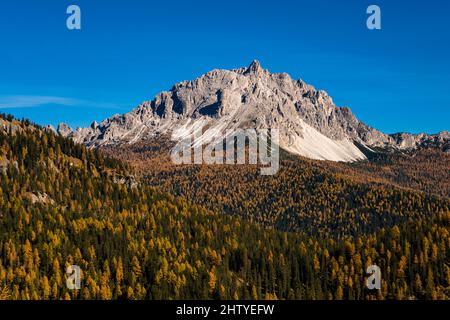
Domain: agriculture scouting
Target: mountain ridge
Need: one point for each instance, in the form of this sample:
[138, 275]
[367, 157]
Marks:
[310, 123]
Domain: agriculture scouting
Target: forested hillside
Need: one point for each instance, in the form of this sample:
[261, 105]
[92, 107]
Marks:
[316, 197]
[61, 204]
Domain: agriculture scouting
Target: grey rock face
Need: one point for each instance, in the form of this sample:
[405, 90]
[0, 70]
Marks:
[64, 130]
[310, 123]
[412, 141]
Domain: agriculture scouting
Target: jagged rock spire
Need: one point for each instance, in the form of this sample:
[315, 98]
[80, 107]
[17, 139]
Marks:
[64, 130]
[255, 68]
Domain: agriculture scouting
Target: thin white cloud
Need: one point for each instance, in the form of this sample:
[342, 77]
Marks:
[25, 101]
[34, 101]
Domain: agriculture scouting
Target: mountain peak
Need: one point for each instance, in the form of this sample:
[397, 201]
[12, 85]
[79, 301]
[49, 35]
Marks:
[310, 123]
[64, 129]
[255, 67]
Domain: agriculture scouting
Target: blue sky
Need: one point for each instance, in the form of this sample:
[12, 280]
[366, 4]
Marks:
[395, 79]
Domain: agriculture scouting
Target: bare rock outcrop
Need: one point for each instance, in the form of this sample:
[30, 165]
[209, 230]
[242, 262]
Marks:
[310, 123]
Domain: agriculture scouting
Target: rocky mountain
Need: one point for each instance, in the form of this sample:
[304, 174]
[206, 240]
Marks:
[310, 123]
